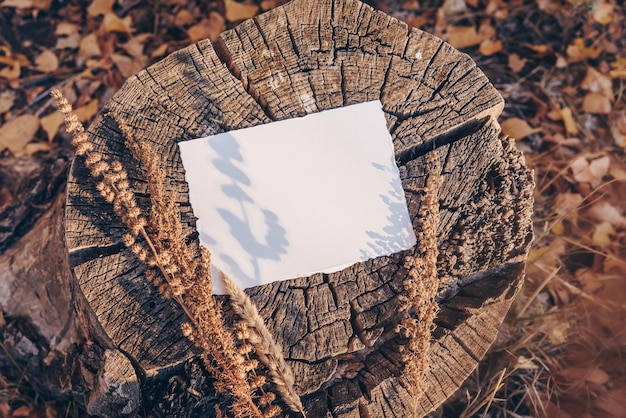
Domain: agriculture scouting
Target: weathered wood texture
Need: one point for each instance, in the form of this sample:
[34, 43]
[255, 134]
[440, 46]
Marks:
[337, 329]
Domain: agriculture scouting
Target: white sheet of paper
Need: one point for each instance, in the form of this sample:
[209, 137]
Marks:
[301, 196]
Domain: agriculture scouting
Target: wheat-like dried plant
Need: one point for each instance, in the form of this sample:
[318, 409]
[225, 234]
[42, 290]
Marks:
[421, 287]
[266, 348]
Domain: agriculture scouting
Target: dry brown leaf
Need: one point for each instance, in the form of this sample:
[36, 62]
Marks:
[236, 11]
[597, 103]
[7, 98]
[134, 48]
[100, 7]
[128, 66]
[486, 30]
[207, 28]
[463, 36]
[451, 7]
[47, 62]
[606, 212]
[617, 122]
[489, 47]
[517, 128]
[566, 206]
[578, 51]
[603, 12]
[183, 18]
[89, 47]
[618, 68]
[585, 171]
[12, 68]
[160, 51]
[568, 121]
[67, 29]
[541, 50]
[603, 233]
[15, 134]
[34, 147]
[516, 63]
[549, 6]
[597, 82]
[71, 41]
[27, 4]
[51, 124]
[112, 23]
[408, 5]
[86, 112]
[591, 374]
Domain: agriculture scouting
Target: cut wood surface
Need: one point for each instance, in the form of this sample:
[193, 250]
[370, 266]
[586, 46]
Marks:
[337, 329]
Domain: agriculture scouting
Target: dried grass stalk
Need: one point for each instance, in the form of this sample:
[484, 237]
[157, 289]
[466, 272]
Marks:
[266, 348]
[188, 281]
[421, 286]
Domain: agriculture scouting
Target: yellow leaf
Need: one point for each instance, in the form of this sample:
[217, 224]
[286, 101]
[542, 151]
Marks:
[578, 51]
[207, 28]
[596, 103]
[51, 124]
[86, 112]
[489, 47]
[517, 128]
[463, 36]
[89, 47]
[602, 235]
[619, 68]
[236, 11]
[47, 62]
[15, 134]
[112, 23]
[568, 120]
[542, 50]
[603, 13]
[100, 7]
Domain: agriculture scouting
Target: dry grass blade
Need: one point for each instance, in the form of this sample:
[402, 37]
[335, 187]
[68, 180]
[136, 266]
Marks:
[268, 351]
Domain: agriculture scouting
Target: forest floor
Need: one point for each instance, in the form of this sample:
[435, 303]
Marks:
[561, 67]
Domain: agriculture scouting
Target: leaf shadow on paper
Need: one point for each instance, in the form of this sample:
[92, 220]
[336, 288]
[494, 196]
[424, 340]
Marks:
[397, 234]
[241, 225]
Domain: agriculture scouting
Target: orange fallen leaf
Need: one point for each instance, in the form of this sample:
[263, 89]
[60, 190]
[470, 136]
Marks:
[603, 12]
[517, 128]
[15, 134]
[568, 120]
[236, 11]
[618, 68]
[489, 47]
[12, 68]
[89, 47]
[207, 28]
[100, 7]
[112, 23]
[578, 51]
[597, 82]
[183, 18]
[47, 62]
[27, 4]
[86, 112]
[463, 36]
[51, 124]
[128, 66]
[597, 103]
[160, 51]
[134, 48]
[541, 50]
[516, 63]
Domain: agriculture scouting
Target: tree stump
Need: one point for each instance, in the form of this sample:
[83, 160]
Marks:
[337, 330]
